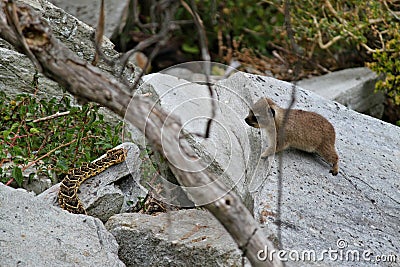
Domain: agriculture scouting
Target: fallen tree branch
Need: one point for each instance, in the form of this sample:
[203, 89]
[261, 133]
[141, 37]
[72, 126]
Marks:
[88, 83]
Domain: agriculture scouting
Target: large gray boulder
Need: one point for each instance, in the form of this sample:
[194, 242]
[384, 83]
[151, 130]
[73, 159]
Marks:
[34, 233]
[18, 74]
[359, 209]
[177, 238]
[88, 11]
[354, 88]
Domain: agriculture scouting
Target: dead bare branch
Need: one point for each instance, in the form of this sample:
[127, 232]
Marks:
[348, 32]
[334, 12]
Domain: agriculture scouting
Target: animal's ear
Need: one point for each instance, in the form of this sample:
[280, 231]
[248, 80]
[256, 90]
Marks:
[272, 111]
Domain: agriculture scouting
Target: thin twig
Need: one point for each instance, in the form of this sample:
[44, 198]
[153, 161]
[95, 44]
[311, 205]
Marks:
[161, 36]
[369, 49]
[334, 12]
[53, 116]
[328, 44]
[206, 58]
[319, 37]
[340, 37]
[146, 66]
[53, 150]
[391, 11]
[275, 54]
[281, 132]
[299, 56]
[98, 39]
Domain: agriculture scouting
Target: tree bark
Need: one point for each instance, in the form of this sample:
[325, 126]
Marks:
[88, 83]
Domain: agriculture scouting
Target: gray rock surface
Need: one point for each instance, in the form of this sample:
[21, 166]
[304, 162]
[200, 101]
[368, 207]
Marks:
[353, 88]
[17, 75]
[178, 238]
[360, 206]
[33, 233]
[115, 190]
[32, 181]
[88, 11]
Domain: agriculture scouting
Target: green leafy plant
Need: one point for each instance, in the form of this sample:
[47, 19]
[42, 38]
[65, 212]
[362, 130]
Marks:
[50, 135]
[349, 30]
[387, 62]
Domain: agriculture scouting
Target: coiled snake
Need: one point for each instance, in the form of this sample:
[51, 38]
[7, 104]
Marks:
[68, 194]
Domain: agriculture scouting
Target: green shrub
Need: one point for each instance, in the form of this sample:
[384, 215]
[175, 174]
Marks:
[387, 62]
[30, 136]
[324, 29]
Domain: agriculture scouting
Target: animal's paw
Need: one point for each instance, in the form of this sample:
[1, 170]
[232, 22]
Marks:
[264, 156]
[334, 172]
